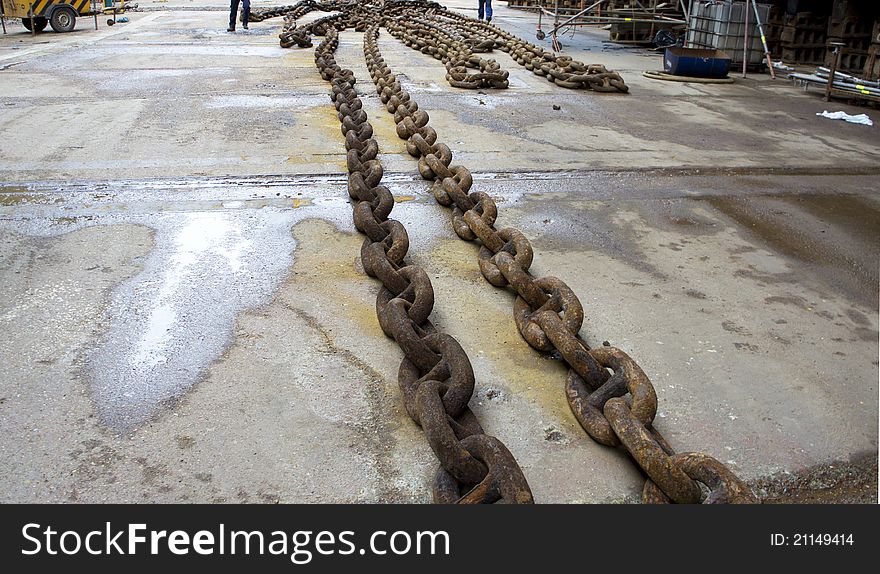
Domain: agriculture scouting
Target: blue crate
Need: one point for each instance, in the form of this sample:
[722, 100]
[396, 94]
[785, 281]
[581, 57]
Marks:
[696, 62]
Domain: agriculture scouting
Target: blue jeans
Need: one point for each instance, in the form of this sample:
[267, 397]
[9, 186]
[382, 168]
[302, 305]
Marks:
[488, 5]
[233, 10]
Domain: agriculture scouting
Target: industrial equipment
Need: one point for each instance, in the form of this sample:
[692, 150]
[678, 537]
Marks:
[36, 15]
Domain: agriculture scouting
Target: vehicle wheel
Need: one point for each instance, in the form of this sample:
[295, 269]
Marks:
[540, 35]
[63, 19]
[39, 23]
[110, 21]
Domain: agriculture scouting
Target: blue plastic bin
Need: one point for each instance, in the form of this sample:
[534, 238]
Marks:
[696, 63]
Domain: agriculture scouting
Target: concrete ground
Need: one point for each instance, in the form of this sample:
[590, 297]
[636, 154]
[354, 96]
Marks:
[184, 316]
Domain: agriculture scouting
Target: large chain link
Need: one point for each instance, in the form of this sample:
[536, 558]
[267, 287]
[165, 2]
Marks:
[609, 394]
[435, 377]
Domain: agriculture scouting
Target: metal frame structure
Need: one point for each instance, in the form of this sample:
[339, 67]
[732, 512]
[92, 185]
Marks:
[565, 19]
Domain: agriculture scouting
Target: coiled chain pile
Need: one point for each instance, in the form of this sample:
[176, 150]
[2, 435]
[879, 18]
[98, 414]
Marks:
[450, 37]
[609, 394]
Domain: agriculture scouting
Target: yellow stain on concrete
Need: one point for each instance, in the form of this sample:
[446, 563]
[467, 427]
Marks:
[480, 316]
[385, 131]
[326, 275]
[404, 198]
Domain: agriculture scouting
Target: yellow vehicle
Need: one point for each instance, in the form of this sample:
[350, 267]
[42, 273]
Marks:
[36, 14]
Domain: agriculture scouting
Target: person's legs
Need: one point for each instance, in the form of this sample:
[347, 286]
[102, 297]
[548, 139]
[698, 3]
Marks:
[488, 10]
[233, 12]
[245, 13]
[480, 9]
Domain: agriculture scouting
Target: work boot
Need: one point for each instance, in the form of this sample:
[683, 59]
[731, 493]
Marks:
[230, 29]
[244, 26]
[488, 19]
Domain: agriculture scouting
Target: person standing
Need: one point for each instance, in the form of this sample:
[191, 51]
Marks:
[488, 10]
[233, 12]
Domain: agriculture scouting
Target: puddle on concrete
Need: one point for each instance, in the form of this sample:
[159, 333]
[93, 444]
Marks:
[279, 102]
[168, 323]
[179, 50]
[221, 246]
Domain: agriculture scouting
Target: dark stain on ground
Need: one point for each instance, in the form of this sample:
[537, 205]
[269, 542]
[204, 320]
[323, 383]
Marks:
[579, 228]
[765, 278]
[844, 482]
[850, 212]
[732, 327]
[858, 318]
[834, 236]
[865, 334]
[746, 347]
[787, 300]
[677, 215]
[185, 442]
[153, 474]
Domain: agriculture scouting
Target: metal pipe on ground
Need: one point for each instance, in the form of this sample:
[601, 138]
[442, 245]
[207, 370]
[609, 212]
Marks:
[763, 38]
[840, 86]
[824, 72]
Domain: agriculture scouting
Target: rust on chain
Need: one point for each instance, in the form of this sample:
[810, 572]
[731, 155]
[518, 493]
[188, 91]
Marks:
[500, 483]
[724, 486]
[513, 242]
[456, 40]
[609, 394]
[561, 311]
[436, 377]
[659, 466]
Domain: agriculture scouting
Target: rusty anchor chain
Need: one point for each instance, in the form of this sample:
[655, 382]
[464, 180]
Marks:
[549, 316]
[435, 377]
[608, 393]
[300, 9]
[563, 71]
[455, 50]
[453, 38]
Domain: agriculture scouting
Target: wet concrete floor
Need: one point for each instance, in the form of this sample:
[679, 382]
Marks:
[185, 316]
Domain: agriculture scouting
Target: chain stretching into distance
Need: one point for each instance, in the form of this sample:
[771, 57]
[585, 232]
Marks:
[609, 394]
[435, 377]
[450, 37]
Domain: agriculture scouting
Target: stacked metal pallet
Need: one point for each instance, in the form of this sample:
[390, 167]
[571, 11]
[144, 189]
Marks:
[872, 64]
[723, 27]
[853, 27]
[773, 28]
[804, 38]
